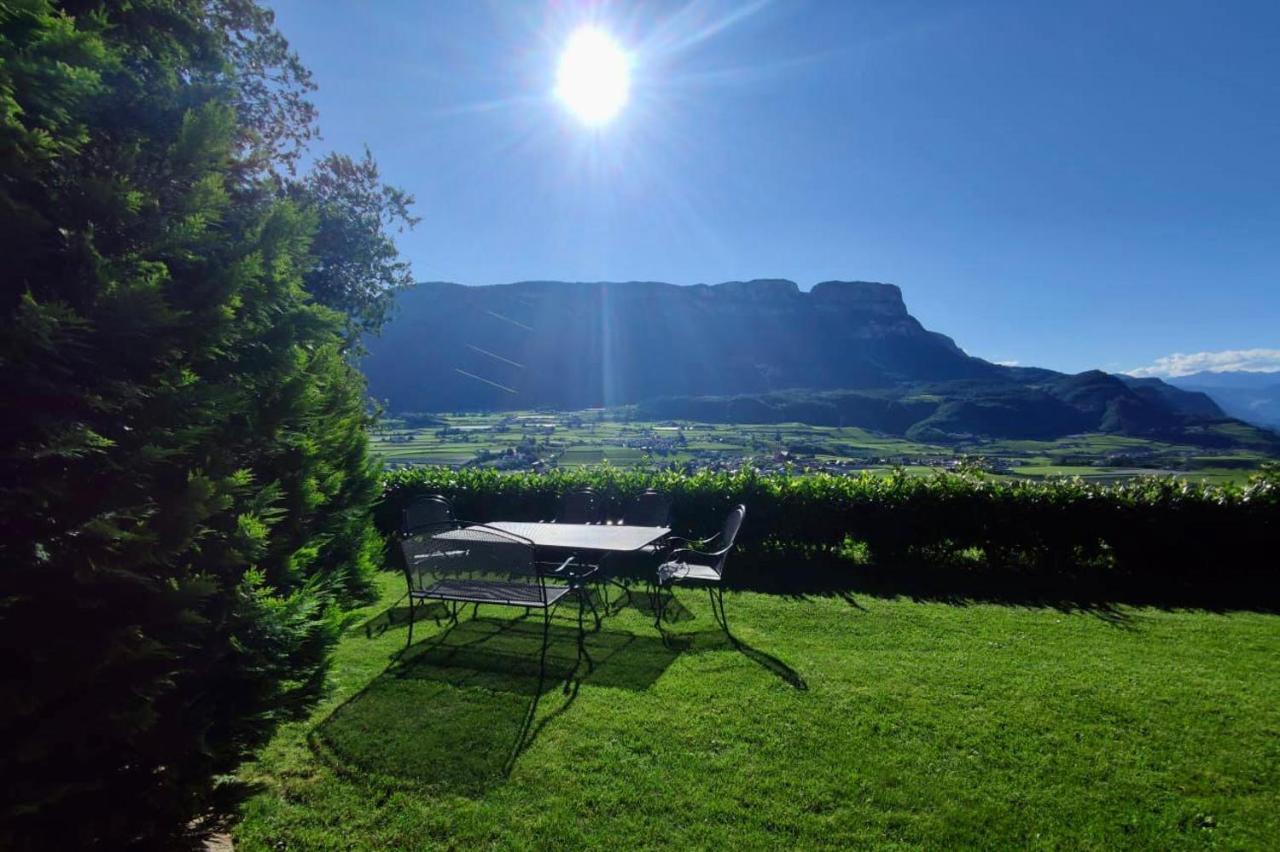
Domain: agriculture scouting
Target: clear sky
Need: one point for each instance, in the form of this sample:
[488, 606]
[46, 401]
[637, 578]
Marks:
[1070, 185]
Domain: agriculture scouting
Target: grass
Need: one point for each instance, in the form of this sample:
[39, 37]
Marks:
[839, 721]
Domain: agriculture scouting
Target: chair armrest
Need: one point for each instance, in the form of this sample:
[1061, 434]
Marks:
[567, 569]
[584, 575]
[691, 542]
[711, 554]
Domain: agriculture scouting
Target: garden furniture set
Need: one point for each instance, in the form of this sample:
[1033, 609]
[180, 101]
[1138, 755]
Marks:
[539, 565]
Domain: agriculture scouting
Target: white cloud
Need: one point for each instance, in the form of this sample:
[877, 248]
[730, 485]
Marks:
[1007, 363]
[1185, 363]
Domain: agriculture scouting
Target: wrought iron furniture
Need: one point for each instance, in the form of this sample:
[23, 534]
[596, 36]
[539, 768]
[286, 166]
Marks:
[458, 563]
[591, 544]
[598, 538]
[695, 564]
[424, 513]
[580, 507]
[650, 509]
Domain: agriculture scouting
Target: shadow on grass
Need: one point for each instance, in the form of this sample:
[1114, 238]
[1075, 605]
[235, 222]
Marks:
[770, 663]
[458, 709]
[674, 611]
[715, 640]
[719, 640]
[960, 579]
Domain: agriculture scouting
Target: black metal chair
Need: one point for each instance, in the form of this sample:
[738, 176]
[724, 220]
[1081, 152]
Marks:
[650, 509]
[425, 512]
[694, 564]
[458, 563]
[580, 507]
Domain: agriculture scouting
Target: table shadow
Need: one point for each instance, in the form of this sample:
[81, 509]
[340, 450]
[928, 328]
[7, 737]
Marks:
[456, 710]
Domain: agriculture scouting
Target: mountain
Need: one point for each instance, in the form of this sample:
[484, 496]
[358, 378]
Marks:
[744, 351]
[1250, 396]
[542, 343]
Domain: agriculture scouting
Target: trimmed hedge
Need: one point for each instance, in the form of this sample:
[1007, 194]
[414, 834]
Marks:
[1156, 533]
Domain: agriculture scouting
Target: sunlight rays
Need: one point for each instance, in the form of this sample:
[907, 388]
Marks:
[605, 142]
[696, 23]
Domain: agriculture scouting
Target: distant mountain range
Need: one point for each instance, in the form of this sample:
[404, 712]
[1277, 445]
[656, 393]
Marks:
[1250, 396]
[845, 352]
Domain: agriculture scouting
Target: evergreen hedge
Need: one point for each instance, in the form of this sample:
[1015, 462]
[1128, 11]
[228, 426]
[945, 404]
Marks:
[186, 479]
[1164, 535]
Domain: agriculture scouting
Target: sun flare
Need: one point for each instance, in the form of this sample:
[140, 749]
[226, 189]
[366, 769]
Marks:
[594, 76]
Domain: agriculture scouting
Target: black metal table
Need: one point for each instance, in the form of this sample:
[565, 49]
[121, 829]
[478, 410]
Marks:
[599, 538]
[602, 539]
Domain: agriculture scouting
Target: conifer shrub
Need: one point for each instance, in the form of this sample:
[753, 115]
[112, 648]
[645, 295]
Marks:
[186, 481]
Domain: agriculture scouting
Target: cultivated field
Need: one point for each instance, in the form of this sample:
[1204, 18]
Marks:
[538, 440]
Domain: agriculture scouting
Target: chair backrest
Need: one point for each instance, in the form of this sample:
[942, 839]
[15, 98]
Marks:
[425, 512]
[650, 509]
[729, 534]
[579, 507]
[453, 550]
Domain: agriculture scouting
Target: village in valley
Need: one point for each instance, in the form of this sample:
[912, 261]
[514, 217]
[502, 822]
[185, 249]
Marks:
[542, 440]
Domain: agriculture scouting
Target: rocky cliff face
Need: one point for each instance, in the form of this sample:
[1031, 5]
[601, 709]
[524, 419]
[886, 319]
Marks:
[863, 296]
[846, 352]
[541, 343]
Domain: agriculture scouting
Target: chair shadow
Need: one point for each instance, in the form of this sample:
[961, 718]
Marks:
[397, 615]
[719, 640]
[769, 662]
[714, 640]
[641, 601]
[457, 710]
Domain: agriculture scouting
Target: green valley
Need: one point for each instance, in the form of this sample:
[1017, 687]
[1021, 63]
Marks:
[539, 440]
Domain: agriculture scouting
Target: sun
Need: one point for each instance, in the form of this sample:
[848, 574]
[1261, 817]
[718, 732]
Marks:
[594, 76]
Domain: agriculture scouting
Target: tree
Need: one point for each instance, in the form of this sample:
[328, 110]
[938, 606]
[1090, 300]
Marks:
[187, 483]
[356, 268]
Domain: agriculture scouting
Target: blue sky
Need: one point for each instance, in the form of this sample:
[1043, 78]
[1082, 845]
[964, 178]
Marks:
[1069, 185]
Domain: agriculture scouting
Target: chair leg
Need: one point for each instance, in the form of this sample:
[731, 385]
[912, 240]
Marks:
[586, 593]
[582, 647]
[581, 630]
[626, 589]
[724, 619]
[546, 634]
[717, 606]
[409, 641]
[582, 640]
[660, 610]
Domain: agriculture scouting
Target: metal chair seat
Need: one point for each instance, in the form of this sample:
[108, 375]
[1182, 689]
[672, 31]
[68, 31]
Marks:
[669, 572]
[489, 591]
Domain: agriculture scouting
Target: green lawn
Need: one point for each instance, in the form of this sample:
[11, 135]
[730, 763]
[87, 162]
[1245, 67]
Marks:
[856, 720]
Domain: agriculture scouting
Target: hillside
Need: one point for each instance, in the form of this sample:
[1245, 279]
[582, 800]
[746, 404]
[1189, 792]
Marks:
[755, 351]
[1252, 397]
